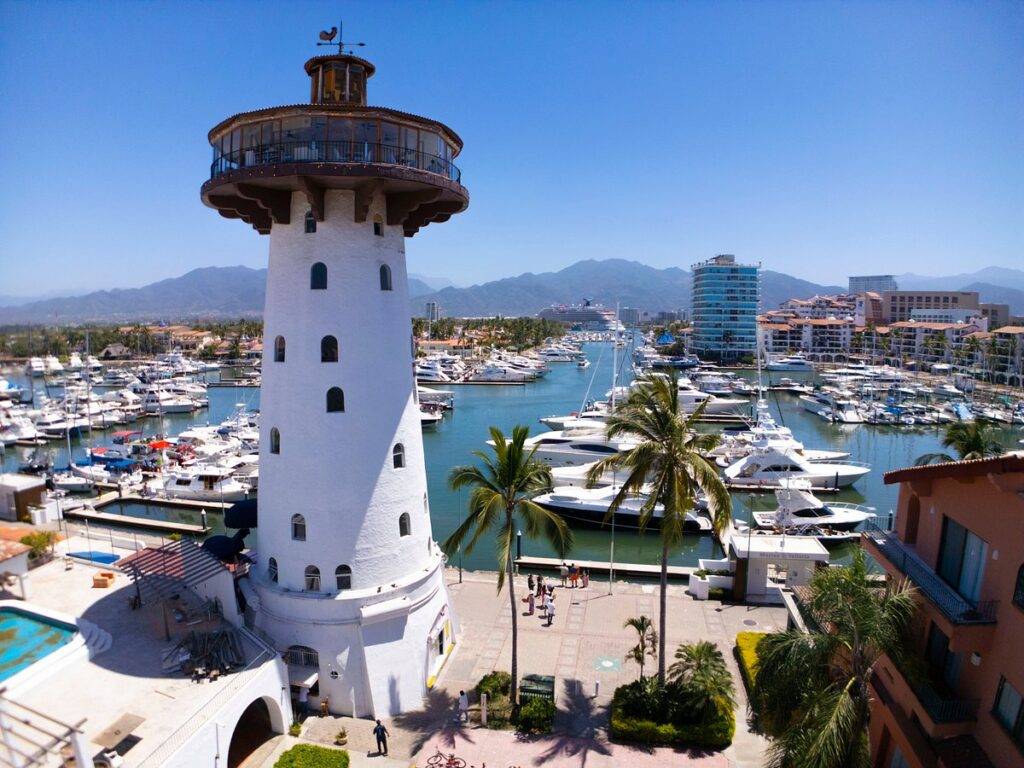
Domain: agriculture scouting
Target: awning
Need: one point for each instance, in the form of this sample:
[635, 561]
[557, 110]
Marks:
[304, 677]
[159, 572]
[159, 445]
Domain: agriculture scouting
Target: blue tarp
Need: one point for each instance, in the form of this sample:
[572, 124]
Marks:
[666, 338]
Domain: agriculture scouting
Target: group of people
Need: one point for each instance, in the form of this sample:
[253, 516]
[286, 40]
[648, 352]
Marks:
[542, 591]
[575, 575]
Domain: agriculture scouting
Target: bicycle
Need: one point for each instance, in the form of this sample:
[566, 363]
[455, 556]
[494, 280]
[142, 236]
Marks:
[441, 760]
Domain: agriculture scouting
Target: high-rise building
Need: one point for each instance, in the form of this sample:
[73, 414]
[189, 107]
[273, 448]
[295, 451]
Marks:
[953, 696]
[876, 283]
[348, 580]
[897, 305]
[725, 303]
[433, 311]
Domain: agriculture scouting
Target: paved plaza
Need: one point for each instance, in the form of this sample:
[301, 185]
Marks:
[584, 650]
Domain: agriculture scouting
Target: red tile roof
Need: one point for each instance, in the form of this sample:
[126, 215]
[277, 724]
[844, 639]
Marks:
[997, 465]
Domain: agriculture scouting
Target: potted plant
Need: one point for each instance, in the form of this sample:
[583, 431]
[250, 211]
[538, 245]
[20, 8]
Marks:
[295, 728]
[341, 737]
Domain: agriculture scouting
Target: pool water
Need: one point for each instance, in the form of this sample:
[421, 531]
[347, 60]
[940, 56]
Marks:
[25, 638]
[96, 557]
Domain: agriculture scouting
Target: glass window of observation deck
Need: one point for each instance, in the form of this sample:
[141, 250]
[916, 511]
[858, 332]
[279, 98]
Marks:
[366, 133]
[389, 133]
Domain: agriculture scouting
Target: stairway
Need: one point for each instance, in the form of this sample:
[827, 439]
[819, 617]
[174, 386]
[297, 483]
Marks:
[97, 640]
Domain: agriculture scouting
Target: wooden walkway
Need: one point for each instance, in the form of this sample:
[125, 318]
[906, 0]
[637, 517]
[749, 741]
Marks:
[601, 566]
[106, 518]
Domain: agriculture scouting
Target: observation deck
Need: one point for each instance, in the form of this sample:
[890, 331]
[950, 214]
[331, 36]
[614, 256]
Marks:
[335, 142]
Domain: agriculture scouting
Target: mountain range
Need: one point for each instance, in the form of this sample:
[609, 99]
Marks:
[230, 292]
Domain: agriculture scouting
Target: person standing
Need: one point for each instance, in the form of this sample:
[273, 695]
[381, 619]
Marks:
[529, 582]
[381, 733]
[304, 701]
[586, 579]
[563, 571]
[531, 602]
[551, 610]
[574, 575]
[463, 707]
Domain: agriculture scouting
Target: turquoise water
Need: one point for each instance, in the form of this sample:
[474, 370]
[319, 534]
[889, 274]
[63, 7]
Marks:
[26, 638]
[477, 407]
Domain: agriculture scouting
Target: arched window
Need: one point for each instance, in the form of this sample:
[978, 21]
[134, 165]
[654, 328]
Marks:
[272, 569]
[385, 277]
[312, 578]
[279, 349]
[310, 223]
[343, 576]
[403, 524]
[302, 656]
[1018, 592]
[335, 400]
[298, 528]
[378, 225]
[318, 277]
[398, 456]
[275, 440]
[328, 349]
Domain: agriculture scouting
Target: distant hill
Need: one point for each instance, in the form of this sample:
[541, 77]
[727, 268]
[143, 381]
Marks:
[208, 292]
[419, 288]
[629, 283]
[993, 276]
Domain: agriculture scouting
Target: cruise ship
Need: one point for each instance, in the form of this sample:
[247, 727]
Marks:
[591, 317]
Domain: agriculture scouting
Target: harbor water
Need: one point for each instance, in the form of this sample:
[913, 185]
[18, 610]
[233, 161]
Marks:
[564, 389]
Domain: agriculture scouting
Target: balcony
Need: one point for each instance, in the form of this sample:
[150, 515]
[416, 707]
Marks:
[956, 608]
[333, 152]
[942, 709]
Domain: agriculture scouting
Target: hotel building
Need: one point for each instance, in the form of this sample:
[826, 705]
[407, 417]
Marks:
[725, 301]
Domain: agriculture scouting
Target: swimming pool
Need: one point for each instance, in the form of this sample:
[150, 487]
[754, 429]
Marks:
[25, 638]
[97, 557]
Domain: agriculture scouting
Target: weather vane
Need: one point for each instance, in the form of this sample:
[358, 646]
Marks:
[327, 38]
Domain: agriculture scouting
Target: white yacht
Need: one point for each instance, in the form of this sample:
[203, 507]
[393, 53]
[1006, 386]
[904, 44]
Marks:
[493, 371]
[559, 353]
[795, 362]
[571, 447]
[34, 368]
[158, 401]
[766, 433]
[798, 506]
[690, 398]
[53, 365]
[207, 483]
[769, 467]
[430, 370]
[589, 507]
[75, 362]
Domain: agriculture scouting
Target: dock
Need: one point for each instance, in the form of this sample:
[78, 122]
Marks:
[161, 501]
[106, 518]
[474, 383]
[748, 488]
[601, 566]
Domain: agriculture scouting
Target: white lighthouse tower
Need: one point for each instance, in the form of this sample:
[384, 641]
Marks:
[348, 580]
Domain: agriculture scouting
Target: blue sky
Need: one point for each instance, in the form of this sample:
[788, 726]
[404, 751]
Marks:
[821, 139]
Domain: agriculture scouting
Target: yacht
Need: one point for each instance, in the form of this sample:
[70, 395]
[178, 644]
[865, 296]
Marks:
[798, 506]
[795, 362]
[430, 370]
[571, 447]
[207, 483]
[72, 483]
[493, 371]
[588, 507]
[34, 368]
[769, 467]
[430, 416]
[52, 365]
[558, 353]
[947, 390]
[158, 401]
[75, 362]
[766, 433]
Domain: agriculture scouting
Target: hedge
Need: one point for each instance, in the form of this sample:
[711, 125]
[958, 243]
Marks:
[716, 734]
[311, 756]
[746, 654]
[536, 716]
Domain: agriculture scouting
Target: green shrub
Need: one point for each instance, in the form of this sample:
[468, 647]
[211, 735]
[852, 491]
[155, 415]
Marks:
[312, 756]
[495, 684]
[723, 595]
[746, 654]
[715, 734]
[41, 543]
[536, 715]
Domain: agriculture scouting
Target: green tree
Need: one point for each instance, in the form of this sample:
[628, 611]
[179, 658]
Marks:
[503, 492]
[670, 457]
[970, 440]
[812, 687]
[705, 683]
[647, 641]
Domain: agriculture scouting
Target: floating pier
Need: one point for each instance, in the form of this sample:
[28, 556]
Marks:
[601, 566]
[106, 518]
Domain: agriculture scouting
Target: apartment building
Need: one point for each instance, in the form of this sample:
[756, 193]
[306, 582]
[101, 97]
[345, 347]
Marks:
[821, 339]
[820, 307]
[725, 301]
[928, 342]
[897, 305]
[1006, 353]
[954, 697]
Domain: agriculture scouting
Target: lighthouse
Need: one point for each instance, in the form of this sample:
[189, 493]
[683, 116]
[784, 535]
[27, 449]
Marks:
[347, 580]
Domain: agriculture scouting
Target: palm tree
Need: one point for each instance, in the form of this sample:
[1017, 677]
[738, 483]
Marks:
[503, 489]
[705, 683]
[812, 687]
[971, 440]
[670, 457]
[647, 641]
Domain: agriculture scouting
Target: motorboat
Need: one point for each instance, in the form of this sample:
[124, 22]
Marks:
[431, 370]
[158, 401]
[583, 364]
[588, 507]
[798, 506]
[795, 362]
[569, 447]
[766, 433]
[691, 398]
[443, 397]
[52, 365]
[35, 368]
[769, 467]
[72, 483]
[430, 416]
[499, 373]
[74, 362]
[207, 483]
[947, 390]
[594, 415]
[829, 537]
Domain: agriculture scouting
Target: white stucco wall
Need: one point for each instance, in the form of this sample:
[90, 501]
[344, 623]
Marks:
[335, 469]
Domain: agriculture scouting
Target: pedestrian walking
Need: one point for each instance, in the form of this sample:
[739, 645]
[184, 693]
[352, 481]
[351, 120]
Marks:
[382, 738]
[463, 707]
[574, 575]
[563, 571]
[529, 582]
[551, 611]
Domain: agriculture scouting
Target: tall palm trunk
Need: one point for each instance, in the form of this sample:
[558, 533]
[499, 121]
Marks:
[662, 620]
[514, 691]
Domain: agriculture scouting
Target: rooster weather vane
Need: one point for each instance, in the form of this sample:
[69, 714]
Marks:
[327, 38]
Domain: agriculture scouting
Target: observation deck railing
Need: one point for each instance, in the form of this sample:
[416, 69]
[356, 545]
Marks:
[953, 605]
[288, 152]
